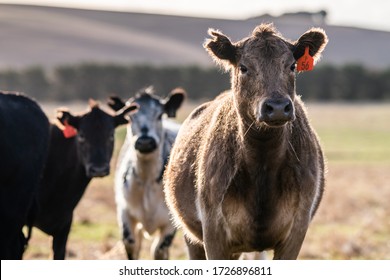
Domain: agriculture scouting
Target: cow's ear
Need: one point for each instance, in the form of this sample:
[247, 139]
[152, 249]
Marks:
[115, 103]
[65, 117]
[122, 116]
[221, 48]
[174, 101]
[315, 39]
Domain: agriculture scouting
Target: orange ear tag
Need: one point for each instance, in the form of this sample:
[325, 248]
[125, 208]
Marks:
[305, 62]
[69, 131]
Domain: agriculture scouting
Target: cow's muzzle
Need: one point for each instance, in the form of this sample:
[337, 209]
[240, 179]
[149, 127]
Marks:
[277, 111]
[98, 171]
[145, 144]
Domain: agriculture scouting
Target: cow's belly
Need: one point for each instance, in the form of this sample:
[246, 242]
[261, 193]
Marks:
[146, 205]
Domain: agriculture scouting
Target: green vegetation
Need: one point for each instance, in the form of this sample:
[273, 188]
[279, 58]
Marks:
[93, 232]
[353, 133]
[81, 82]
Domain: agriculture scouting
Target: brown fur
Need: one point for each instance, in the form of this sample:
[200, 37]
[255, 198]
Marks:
[236, 181]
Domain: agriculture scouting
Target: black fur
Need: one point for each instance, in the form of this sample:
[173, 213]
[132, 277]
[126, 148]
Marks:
[24, 135]
[67, 176]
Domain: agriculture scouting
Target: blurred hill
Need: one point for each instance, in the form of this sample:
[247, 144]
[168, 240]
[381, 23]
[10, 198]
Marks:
[48, 36]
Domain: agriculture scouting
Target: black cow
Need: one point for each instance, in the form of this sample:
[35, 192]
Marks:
[24, 136]
[73, 161]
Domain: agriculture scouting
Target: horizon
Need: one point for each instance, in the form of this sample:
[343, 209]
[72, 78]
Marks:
[373, 16]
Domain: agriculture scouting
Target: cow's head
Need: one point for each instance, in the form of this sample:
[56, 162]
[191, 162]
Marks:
[146, 129]
[95, 135]
[263, 71]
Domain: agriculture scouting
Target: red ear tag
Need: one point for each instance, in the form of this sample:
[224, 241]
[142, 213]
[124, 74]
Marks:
[305, 62]
[69, 131]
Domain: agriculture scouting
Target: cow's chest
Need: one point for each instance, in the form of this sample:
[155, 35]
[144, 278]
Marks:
[258, 218]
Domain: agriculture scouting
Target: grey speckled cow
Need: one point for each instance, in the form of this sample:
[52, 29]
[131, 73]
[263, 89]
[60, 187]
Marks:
[141, 207]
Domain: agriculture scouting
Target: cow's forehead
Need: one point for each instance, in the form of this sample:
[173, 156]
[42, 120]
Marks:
[148, 103]
[96, 118]
[268, 47]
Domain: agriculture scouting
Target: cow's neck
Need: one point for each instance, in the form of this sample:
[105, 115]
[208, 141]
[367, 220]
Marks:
[148, 167]
[264, 147]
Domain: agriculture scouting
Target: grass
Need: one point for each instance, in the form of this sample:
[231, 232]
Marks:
[353, 133]
[352, 221]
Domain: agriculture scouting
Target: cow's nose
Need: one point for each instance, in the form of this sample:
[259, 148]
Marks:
[144, 130]
[277, 111]
[145, 144]
[98, 171]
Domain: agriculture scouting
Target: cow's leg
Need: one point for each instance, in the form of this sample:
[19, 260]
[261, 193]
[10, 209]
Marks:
[215, 243]
[130, 237]
[161, 248]
[289, 248]
[59, 241]
[195, 251]
[11, 242]
[139, 237]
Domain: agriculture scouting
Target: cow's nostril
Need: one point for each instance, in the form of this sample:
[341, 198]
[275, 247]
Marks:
[268, 109]
[288, 108]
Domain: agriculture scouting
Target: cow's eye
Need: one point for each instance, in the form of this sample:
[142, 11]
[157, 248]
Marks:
[243, 69]
[112, 138]
[160, 116]
[292, 67]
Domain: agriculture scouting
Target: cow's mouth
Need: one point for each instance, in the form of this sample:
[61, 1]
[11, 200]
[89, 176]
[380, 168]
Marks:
[98, 171]
[276, 123]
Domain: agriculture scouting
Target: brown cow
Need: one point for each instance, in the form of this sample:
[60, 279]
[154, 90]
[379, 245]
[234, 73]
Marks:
[247, 171]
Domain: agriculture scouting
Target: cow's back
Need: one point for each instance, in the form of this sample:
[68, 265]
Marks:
[24, 133]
